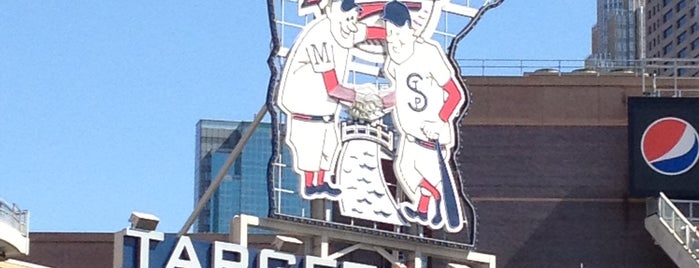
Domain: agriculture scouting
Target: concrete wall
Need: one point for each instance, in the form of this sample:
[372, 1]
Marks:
[75, 250]
[551, 100]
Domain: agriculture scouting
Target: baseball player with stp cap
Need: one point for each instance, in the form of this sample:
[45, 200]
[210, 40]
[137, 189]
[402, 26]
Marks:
[310, 91]
[428, 98]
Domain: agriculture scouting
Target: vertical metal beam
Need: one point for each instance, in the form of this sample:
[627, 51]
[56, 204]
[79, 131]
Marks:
[321, 246]
[224, 169]
[239, 228]
[415, 258]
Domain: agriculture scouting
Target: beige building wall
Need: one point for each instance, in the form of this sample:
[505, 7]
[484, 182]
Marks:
[555, 100]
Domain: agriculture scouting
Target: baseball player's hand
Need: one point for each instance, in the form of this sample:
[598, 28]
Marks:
[366, 89]
[367, 104]
[432, 130]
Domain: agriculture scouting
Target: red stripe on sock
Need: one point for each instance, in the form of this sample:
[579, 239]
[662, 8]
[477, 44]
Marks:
[429, 187]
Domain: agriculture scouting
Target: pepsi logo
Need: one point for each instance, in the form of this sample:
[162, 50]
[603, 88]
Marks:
[670, 146]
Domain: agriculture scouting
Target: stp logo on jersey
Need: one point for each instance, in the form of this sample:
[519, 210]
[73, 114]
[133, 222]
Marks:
[670, 146]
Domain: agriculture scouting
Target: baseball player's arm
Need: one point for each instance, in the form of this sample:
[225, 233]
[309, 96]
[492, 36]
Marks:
[389, 100]
[321, 57]
[453, 99]
[376, 33]
[335, 89]
[445, 78]
[365, 32]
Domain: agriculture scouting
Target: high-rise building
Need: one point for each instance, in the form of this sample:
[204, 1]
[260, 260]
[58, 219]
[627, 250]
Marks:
[672, 32]
[614, 34]
[244, 189]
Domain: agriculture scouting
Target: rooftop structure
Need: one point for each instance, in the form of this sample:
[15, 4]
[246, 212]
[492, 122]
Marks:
[14, 230]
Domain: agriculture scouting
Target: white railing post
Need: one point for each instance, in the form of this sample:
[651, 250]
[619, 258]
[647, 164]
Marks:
[660, 208]
[686, 236]
[673, 222]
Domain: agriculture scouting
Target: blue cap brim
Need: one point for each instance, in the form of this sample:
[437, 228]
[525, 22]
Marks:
[348, 5]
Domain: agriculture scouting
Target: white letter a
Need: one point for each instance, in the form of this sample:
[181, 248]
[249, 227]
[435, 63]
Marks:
[184, 245]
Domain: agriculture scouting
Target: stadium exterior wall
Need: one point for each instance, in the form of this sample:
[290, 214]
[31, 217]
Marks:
[545, 161]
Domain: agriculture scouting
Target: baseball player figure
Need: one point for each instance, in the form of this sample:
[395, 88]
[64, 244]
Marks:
[310, 91]
[427, 98]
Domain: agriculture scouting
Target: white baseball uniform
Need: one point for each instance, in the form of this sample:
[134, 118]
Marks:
[421, 100]
[315, 65]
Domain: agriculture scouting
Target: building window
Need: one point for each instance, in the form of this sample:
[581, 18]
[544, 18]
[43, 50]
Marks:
[668, 16]
[682, 37]
[682, 21]
[682, 4]
[667, 49]
[668, 32]
[666, 2]
[695, 28]
[695, 44]
[683, 53]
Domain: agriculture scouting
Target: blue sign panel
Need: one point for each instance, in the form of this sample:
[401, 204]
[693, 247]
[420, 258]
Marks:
[664, 147]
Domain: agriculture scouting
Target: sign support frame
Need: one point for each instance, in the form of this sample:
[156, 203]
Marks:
[386, 246]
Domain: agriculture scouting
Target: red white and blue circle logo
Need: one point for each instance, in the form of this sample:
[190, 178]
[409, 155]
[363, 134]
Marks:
[670, 146]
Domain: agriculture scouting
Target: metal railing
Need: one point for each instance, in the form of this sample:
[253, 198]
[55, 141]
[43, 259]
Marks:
[516, 67]
[679, 226]
[661, 77]
[688, 208]
[15, 217]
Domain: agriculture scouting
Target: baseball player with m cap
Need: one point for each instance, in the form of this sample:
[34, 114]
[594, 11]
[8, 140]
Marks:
[310, 91]
[428, 98]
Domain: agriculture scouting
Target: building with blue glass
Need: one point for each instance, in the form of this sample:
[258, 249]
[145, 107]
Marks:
[244, 189]
[614, 41]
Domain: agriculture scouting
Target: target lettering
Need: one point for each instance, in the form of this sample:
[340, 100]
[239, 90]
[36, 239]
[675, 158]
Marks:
[419, 103]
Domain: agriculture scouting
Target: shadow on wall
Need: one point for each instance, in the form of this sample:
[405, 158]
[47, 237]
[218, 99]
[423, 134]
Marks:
[555, 197]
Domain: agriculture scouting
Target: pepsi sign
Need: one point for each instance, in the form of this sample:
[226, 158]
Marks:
[670, 145]
[664, 146]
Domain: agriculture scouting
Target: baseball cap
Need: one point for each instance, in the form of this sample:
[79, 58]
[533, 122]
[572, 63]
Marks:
[397, 13]
[348, 5]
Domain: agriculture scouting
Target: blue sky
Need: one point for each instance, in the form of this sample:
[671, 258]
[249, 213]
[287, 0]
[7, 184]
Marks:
[99, 99]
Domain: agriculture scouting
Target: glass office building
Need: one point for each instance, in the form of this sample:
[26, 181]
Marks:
[244, 189]
[614, 34]
[672, 32]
